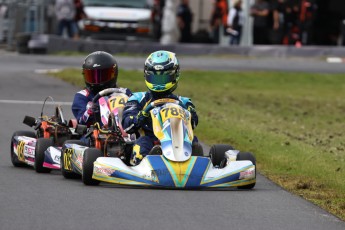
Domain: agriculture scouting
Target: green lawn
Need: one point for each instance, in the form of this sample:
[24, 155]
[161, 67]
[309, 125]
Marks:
[294, 123]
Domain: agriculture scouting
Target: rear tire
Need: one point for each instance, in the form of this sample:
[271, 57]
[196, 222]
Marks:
[217, 154]
[14, 158]
[65, 161]
[42, 145]
[90, 156]
[247, 156]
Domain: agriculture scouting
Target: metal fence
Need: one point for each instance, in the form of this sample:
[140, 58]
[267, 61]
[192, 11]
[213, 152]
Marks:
[28, 16]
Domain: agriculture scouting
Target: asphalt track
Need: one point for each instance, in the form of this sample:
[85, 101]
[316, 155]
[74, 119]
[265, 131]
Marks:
[48, 201]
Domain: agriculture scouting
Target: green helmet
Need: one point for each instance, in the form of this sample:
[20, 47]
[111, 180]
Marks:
[162, 71]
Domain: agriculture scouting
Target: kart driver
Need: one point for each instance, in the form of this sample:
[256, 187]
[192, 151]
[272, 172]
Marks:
[100, 72]
[161, 72]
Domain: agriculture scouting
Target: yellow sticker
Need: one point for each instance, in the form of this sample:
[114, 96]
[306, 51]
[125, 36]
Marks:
[172, 112]
[67, 159]
[20, 150]
[117, 102]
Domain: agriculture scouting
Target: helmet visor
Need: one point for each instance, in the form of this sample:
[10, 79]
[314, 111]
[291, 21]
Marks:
[160, 79]
[98, 76]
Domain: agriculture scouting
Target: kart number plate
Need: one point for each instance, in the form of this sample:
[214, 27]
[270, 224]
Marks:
[172, 112]
[117, 102]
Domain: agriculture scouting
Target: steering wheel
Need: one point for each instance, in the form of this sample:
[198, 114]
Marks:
[160, 102]
[105, 92]
[111, 119]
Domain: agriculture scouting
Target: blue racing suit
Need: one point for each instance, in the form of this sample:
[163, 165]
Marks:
[147, 139]
[79, 109]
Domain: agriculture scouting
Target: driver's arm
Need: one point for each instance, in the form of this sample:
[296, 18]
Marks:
[188, 104]
[79, 109]
[130, 113]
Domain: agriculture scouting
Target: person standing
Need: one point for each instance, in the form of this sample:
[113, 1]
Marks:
[219, 18]
[260, 11]
[278, 17]
[184, 21]
[65, 13]
[79, 15]
[3, 12]
[235, 23]
[156, 18]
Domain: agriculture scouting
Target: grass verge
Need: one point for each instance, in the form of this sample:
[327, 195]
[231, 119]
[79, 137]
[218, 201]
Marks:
[293, 123]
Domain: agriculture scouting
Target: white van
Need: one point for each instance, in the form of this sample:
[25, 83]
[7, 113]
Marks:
[116, 19]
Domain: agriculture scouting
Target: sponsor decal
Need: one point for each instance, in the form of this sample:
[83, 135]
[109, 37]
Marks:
[155, 111]
[29, 151]
[79, 160]
[104, 171]
[158, 67]
[160, 172]
[152, 176]
[57, 158]
[250, 173]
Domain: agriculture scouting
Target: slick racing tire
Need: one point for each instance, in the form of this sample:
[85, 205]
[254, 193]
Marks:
[90, 156]
[42, 145]
[217, 154]
[241, 156]
[65, 160]
[14, 158]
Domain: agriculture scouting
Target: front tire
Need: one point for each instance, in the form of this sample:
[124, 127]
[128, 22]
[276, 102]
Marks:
[65, 160]
[42, 145]
[90, 156]
[217, 154]
[250, 157]
[14, 158]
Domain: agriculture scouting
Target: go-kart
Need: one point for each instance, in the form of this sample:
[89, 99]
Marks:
[110, 140]
[173, 163]
[42, 148]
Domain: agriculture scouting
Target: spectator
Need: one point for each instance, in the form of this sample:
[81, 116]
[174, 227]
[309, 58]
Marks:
[235, 23]
[277, 24]
[218, 18]
[79, 15]
[156, 18]
[260, 12]
[3, 17]
[342, 30]
[291, 30]
[184, 21]
[307, 12]
[65, 14]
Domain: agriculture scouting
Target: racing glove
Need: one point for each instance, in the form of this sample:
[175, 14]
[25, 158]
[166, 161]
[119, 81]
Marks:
[141, 118]
[91, 108]
[194, 119]
[137, 122]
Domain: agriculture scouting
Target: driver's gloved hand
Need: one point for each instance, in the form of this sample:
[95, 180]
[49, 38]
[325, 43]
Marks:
[194, 119]
[92, 108]
[141, 118]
